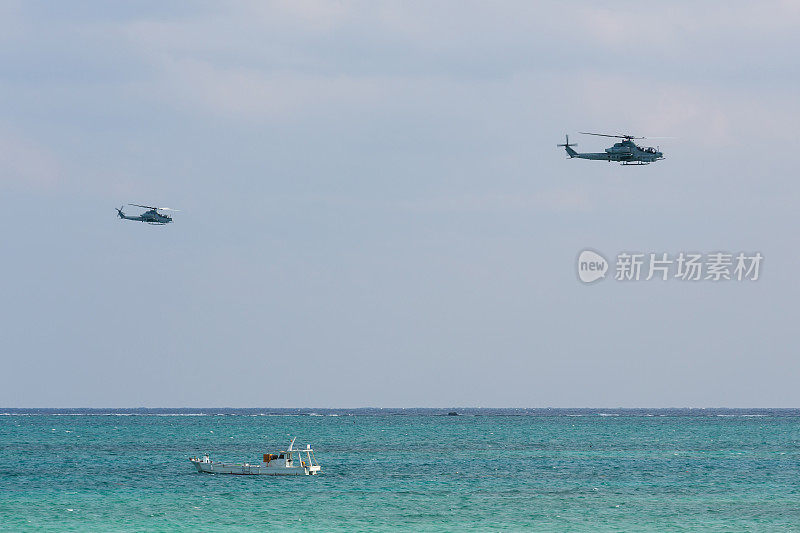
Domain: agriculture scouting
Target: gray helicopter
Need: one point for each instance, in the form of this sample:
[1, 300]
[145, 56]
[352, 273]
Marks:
[625, 152]
[152, 216]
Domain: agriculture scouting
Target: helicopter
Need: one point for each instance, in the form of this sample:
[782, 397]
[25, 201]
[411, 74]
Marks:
[152, 216]
[626, 152]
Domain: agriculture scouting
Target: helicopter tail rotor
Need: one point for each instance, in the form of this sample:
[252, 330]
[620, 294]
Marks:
[120, 214]
[568, 147]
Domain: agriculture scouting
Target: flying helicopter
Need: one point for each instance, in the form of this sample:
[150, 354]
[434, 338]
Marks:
[626, 151]
[151, 216]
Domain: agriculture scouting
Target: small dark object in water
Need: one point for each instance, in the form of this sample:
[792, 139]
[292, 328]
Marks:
[452, 413]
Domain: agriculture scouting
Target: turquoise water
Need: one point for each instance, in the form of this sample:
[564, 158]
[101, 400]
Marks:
[412, 470]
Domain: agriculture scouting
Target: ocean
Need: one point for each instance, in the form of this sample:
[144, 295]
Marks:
[404, 470]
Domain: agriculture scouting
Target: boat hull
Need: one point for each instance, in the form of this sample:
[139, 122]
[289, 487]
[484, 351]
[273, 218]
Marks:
[254, 470]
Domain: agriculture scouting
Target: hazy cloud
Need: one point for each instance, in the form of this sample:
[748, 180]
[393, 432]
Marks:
[374, 189]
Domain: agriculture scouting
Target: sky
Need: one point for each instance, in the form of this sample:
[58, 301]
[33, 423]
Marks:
[374, 211]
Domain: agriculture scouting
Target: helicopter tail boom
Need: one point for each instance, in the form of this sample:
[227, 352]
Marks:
[123, 216]
[568, 147]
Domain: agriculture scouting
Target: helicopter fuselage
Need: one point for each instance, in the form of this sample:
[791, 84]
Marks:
[151, 217]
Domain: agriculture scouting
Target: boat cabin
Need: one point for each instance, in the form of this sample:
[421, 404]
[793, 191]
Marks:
[286, 458]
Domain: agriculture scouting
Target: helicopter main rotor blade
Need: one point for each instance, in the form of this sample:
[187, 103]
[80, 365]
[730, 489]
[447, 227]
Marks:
[156, 208]
[607, 135]
[601, 134]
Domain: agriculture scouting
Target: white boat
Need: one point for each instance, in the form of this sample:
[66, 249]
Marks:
[273, 464]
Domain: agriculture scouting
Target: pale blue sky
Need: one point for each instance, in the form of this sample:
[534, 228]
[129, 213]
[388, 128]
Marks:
[374, 211]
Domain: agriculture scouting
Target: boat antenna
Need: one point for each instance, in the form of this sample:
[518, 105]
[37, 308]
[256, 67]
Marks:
[291, 444]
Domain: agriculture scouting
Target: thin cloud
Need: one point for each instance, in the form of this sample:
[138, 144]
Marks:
[552, 200]
[25, 164]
